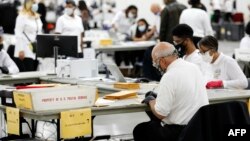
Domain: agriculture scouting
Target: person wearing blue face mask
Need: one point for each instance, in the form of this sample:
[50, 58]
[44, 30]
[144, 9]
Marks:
[226, 72]
[28, 25]
[141, 31]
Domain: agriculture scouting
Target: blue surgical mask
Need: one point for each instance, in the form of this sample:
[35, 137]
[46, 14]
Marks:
[142, 28]
[34, 7]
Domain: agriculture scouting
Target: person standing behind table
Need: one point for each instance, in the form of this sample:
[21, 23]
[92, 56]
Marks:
[7, 65]
[245, 42]
[181, 93]
[156, 10]
[228, 9]
[170, 16]
[71, 24]
[198, 20]
[226, 71]
[216, 6]
[121, 23]
[28, 25]
[123, 20]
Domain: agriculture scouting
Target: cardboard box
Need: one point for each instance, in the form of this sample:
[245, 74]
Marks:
[57, 98]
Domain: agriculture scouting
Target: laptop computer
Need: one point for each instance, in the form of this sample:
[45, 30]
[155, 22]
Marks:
[115, 71]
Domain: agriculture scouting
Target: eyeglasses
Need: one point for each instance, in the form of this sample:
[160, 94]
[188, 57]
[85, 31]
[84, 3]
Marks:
[202, 52]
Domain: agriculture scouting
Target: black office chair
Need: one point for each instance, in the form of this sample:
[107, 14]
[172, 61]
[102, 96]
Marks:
[211, 121]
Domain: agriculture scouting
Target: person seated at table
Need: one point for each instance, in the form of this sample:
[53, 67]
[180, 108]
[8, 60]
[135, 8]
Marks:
[183, 40]
[245, 42]
[181, 93]
[226, 72]
[140, 32]
[7, 65]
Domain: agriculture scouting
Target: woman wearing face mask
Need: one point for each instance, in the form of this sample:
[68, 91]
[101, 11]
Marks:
[28, 25]
[141, 31]
[71, 24]
[123, 20]
[225, 70]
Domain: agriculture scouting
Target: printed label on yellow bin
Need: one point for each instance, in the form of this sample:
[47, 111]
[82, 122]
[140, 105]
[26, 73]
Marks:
[75, 123]
[23, 100]
[13, 121]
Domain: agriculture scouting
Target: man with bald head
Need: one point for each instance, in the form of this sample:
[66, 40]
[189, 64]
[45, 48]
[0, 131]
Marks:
[156, 10]
[181, 93]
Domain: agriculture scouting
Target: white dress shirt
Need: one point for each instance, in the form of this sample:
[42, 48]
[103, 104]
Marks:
[31, 26]
[196, 58]
[226, 69]
[181, 93]
[6, 61]
[122, 23]
[216, 4]
[198, 20]
[228, 6]
[245, 42]
[67, 25]
[157, 23]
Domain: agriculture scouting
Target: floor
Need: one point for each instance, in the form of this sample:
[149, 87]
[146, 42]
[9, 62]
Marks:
[123, 124]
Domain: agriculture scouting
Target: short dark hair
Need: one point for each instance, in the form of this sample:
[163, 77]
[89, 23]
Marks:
[183, 31]
[209, 42]
[131, 7]
[194, 2]
[248, 28]
[70, 2]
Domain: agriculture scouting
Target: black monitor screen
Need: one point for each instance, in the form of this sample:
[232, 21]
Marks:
[67, 45]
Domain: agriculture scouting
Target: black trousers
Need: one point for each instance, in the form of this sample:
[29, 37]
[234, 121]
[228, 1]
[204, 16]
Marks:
[154, 131]
[217, 16]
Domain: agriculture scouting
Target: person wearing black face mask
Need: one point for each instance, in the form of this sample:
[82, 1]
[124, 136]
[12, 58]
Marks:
[183, 40]
[7, 66]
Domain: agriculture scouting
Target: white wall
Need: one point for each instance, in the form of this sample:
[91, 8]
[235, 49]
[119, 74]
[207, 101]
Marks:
[144, 6]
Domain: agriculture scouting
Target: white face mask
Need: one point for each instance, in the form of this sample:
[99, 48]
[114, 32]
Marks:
[69, 11]
[131, 15]
[207, 58]
[34, 7]
[142, 28]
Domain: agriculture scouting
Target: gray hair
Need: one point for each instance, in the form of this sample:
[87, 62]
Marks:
[167, 52]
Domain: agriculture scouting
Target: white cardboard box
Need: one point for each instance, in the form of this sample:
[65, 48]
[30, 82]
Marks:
[57, 98]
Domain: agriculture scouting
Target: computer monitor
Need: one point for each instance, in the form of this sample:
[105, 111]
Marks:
[46, 43]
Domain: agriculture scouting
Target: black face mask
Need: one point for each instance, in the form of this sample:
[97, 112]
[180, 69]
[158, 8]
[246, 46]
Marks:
[181, 49]
[1, 47]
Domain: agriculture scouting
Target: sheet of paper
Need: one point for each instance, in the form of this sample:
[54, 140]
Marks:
[76, 123]
[13, 121]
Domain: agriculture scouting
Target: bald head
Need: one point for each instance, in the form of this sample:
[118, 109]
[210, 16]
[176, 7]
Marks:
[162, 49]
[155, 8]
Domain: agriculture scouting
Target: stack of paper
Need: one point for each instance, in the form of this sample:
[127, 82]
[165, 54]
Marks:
[129, 86]
[122, 95]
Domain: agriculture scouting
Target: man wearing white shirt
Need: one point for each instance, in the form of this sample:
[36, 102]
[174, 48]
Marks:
[156, 10]
[7, 65]
[198, 20]
[228, 9]
[181, 93]
[245, 42]
[71, 24]
[226, 71]
[183, 38]
[216, 6]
